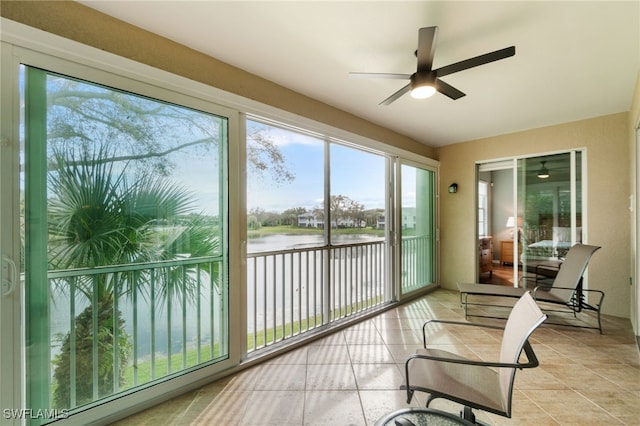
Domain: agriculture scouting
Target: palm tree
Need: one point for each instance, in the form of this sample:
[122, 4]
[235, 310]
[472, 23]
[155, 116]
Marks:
[99, 215]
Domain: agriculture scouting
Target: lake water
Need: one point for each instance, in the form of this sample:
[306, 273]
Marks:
[287, 242]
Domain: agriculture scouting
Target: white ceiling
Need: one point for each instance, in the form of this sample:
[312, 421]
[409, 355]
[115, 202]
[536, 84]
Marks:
[574, 60]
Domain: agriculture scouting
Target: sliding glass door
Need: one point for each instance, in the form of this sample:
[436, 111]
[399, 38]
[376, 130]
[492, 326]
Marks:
[536, 214]
[550, 210]
[124, 241]
[416, 226]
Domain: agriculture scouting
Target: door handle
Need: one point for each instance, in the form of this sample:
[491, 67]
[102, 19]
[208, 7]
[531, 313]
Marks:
[9, 283]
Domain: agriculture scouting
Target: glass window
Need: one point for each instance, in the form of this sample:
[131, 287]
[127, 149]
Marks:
[124, 240]
[314, 254]
[483, 208]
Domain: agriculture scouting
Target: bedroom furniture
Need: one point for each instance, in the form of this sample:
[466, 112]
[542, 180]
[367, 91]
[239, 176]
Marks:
[565, 290]
[476, 384]
[485, 247]
[506, 252]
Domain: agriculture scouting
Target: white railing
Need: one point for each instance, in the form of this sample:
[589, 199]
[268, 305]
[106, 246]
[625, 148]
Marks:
[290, 292]
[417, 263]
[151, 320]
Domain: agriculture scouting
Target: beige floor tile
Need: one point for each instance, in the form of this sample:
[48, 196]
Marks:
[266, 408]
[398, 323]
[281, 377]
[627, 377]
[622, 405]
[368, 336]
[537, 378]
[569, 407]
[330, 377]
[378, 376]
[332, 339]
[401, 336]
[401, 352]
[523, 412]
[226, 408]
[330, 354]
[580, 377]
[297, 356]
[370, 354]
[333, 408]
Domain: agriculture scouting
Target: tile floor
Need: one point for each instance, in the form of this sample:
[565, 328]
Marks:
[353, 376]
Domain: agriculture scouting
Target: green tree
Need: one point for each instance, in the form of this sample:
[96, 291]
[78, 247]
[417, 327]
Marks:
[344, 211]
[99, 216]
[86, 115]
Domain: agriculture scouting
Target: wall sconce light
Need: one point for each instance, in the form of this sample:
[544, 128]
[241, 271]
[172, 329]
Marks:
[453, 188]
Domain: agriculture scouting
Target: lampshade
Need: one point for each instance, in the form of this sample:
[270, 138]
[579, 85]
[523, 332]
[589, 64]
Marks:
[511, 222]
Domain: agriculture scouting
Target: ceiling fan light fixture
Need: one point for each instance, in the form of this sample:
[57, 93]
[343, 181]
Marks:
[423, 92]
[422, 86]
[543, 173]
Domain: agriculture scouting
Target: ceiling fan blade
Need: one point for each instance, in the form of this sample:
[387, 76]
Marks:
[478, 60]
[379, 75]
[396, 95]
[448, 90]
[426, 47]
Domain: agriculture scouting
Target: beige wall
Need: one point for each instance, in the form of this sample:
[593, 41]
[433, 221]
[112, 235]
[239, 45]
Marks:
[607, 149]
[85, 25]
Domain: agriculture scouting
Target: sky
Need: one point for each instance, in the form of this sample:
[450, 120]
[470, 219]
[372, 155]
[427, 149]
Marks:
[356, 174]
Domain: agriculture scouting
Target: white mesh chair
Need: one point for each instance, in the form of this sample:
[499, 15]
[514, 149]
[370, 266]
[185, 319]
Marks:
[484, 385]
[565, 290]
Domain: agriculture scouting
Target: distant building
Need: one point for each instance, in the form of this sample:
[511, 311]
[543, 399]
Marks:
[309, 220]
[408, 219]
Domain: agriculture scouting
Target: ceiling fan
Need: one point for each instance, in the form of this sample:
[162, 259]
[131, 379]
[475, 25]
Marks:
[426, 81]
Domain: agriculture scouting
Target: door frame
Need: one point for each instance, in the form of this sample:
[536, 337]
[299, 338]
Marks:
[507, 163]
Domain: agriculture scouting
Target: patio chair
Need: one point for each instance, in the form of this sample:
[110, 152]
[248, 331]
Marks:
[475, 384]
[565, 290]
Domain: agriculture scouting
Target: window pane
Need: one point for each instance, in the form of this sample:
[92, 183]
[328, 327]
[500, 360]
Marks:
[285, 189]
[296, 280]
[417, 228]
[357, 195]
[125, 240]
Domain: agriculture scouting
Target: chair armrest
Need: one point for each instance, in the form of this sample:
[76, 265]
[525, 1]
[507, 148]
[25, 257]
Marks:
[531, 358]
[543, 288]
[467, 324]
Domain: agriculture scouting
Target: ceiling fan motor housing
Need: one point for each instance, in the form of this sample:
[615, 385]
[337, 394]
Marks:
[419, 79]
